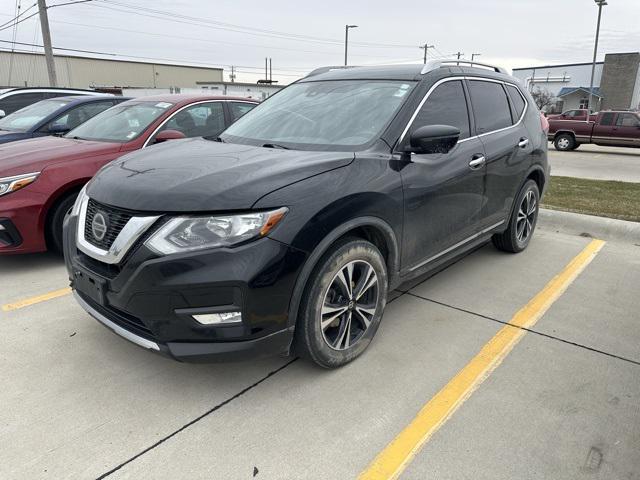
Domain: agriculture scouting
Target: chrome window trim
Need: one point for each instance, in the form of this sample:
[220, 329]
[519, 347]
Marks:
[146, 143]
[131, 232]
[453, 247]
[117, 329]
[465, 77]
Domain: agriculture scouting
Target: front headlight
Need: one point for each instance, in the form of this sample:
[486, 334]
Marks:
[75, 211]
[185, 234]
[13, 184]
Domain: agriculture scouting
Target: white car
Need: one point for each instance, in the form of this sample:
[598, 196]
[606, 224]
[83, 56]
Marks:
[13, 99]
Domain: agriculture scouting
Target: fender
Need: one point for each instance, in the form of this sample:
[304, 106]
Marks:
[323, 246]
[534, 168]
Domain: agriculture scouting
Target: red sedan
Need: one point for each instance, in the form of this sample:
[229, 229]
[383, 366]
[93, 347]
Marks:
[40, 178]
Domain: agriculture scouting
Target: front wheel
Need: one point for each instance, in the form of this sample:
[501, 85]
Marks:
[56, 220]
[522, 222]
[343, 304]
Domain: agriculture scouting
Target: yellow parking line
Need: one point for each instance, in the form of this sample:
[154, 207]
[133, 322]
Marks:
[33, 300]
[395, 457]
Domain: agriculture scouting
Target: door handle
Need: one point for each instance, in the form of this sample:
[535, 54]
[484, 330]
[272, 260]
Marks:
[523, 142]
[477, 162]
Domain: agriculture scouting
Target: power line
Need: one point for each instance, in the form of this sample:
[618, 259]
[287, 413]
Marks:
[174, 17]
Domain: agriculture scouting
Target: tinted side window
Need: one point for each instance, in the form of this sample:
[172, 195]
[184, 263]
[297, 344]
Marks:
[445, 106]
[490, 106]
[238, 109]
[517, 100]
[607, 119]
[627, 120]
[13, 103]
[81, 114]
[201, 120]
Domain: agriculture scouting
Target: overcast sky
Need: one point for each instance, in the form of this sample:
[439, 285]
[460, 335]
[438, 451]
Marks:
[513, 33]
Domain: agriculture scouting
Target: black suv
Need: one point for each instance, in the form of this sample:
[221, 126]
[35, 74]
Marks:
[286, 233]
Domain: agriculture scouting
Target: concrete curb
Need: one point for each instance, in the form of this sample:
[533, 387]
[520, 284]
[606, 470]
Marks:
[588, 225]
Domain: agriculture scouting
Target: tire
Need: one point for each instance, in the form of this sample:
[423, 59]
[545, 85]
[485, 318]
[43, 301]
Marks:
[332, 340]
[575, 147]
[523, 220]
[564, 142]
[56, 220]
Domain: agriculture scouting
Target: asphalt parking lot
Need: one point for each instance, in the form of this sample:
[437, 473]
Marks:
[597, 163]
[560, 400]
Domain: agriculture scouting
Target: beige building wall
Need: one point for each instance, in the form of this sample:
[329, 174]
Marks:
[26, 69]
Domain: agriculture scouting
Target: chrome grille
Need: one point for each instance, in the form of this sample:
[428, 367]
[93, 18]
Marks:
[117, 219]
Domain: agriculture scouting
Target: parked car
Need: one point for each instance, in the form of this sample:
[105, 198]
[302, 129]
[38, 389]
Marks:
[578, 114]
[13, 99]
[614, 128]
[55, 116]
[40, 178]
[288, 232]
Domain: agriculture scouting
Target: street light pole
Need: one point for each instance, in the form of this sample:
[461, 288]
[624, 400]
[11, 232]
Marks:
[600, 3]
[346, 40]
[473, 56]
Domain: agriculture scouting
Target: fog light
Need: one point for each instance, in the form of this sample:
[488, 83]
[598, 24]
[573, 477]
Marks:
[218, 318]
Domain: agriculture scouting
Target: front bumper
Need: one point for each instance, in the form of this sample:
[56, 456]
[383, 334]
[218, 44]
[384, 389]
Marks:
[147, 299]
[21, 215]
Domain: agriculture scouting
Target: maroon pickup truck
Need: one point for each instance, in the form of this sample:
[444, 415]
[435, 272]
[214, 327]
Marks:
[619, 129]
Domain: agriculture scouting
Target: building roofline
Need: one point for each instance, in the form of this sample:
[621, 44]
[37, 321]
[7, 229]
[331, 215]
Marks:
[119, 60]
[556, 66]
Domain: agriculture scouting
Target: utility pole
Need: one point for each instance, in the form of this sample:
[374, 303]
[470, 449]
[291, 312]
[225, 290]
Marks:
[600, 3]
[346, 40]
[46, 40]
[425, 47]
[270, 72]
[266, 71]
[232, 77]
[459, 54]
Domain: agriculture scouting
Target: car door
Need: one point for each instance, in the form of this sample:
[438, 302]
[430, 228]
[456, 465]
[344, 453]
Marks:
[442, 192]
[238, 109]
[627, 129]
[602, 133]
[500, 126]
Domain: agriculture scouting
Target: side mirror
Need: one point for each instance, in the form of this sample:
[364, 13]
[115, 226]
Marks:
[165, 135]
[58, 129]
[2, 114]
[433, 139]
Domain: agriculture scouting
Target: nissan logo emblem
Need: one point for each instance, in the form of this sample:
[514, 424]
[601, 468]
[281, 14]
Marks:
[99, 226]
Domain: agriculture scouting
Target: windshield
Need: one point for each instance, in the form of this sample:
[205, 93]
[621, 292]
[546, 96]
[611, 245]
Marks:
[30, 116]
[122, 123]
[329, 115]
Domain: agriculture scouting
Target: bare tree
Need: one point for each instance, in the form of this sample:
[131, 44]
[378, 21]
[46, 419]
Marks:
[543, 98]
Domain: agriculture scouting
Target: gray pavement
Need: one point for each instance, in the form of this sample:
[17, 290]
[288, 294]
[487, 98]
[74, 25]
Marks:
[80, 402]
[595, 162]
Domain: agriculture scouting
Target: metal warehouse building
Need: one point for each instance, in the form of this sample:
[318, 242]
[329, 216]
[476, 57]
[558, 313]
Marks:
[616, 82]
[20, 69]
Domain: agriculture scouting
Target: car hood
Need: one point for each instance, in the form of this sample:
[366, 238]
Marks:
[6, 136]
[33, 155]
[198, 175]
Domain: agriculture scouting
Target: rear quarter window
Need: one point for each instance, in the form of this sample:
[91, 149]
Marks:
[517, 102]
[490, 106]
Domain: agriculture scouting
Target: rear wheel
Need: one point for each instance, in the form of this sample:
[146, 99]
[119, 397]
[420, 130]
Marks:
[522, 222]
[56, 220]
[343, 304]
[564, 142]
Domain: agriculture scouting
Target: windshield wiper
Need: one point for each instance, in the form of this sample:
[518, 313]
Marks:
[275, 145]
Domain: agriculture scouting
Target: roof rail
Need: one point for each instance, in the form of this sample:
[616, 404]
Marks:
[320, 70]
[435, 64]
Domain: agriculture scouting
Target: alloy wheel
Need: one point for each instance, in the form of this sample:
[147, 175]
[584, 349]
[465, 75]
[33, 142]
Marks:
[349, 305]
[563, 143]
[526, 217]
